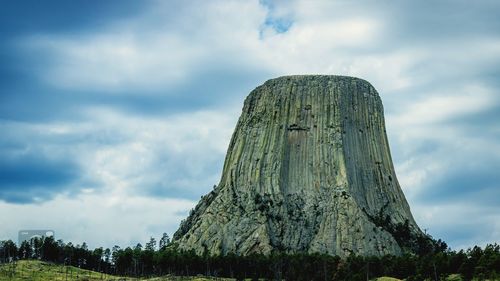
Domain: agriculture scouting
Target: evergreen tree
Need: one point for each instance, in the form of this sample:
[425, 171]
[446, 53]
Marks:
[164, 241]
[107, 255]
[25, 250]
[36, 244]
[151, 245]
[8, 251]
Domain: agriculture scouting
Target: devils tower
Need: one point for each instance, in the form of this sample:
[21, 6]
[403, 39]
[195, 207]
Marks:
[308, 169]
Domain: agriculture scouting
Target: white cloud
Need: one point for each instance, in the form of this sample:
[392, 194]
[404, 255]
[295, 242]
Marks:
[426, 123]
[112, 62]
[169, 151]
[433, 147]
[444, 106]
[180, 155]
[98, 219]
[115, 207]
[460, 223]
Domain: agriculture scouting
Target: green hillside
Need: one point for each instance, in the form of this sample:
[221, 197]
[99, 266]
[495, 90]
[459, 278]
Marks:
[39, 270]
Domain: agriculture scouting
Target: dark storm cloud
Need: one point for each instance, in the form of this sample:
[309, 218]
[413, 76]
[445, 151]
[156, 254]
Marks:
[22, 95]
[26, 99]
[31, 16]
[31, 177]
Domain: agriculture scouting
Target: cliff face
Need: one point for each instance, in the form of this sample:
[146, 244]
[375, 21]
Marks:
[309, 170]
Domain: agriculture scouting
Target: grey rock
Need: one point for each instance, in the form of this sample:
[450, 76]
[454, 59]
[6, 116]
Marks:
[308, 170]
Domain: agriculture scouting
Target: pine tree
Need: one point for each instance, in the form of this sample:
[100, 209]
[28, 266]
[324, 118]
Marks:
[151, 245]
[8, 250]
[164, 241]
[25, 250]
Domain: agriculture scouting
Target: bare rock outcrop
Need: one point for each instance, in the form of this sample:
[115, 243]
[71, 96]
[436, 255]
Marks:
[308, 170]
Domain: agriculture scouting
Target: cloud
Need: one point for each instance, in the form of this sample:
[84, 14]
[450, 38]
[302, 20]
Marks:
[131, 55]
[100, 220]
[40, 17]
[30, 177]
[32, 172]
[458, 223]
[111, 63]
[146, 170]
[447, 166]
[173, 157]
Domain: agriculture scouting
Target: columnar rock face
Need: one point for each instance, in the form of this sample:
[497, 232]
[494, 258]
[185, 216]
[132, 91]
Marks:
[308, 170]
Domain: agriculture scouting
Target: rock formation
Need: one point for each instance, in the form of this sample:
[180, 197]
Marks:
[308, 170]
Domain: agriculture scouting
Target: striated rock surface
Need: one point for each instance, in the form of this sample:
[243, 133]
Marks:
[308, 170]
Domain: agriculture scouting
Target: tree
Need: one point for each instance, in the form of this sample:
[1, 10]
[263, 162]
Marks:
[151, 245]
[96, 260]
[115, 252]
[25, 250]
[69, 252]
[36, 244]
[123, 260]
[164, 241]
[8, 249]
[107, 255]
[61, 246]
[49, 249]
[82, 255]
[136, 258]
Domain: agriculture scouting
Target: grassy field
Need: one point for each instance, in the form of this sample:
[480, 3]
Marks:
[41, 271]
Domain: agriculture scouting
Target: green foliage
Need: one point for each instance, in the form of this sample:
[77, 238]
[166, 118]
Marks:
[8, 250]
[410, 240]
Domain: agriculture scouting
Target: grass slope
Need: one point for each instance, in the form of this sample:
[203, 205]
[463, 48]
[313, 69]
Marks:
[41, 271]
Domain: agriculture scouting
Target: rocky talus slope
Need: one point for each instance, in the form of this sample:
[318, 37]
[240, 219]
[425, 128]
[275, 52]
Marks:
[308, 170]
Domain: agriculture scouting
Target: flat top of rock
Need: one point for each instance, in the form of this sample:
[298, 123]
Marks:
[317, 77]
[323, 81]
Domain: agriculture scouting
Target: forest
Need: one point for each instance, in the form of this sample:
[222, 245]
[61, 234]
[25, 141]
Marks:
[162, 258]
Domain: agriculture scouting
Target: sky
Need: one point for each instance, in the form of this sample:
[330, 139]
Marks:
[115, 116]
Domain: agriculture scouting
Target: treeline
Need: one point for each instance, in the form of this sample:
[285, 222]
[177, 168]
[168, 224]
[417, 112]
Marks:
[155, 259]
